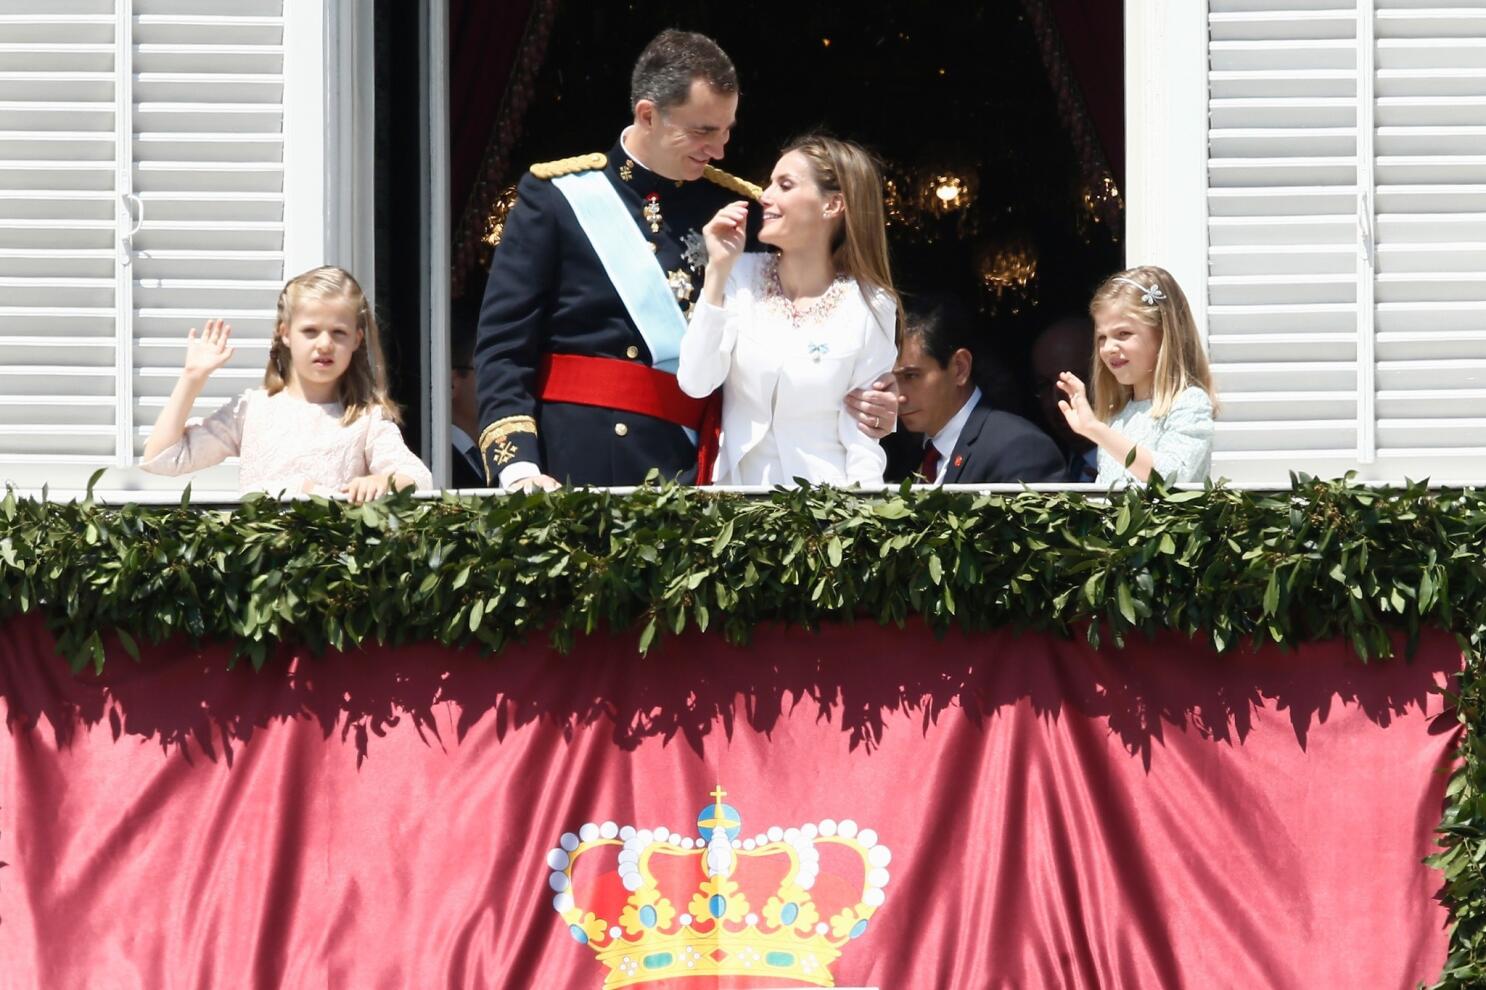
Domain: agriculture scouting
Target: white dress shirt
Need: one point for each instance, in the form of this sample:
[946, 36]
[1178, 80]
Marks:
[949, 435]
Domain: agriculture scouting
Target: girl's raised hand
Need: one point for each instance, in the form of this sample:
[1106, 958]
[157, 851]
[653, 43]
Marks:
[727, 233]
[207, 353]
[1075, 404]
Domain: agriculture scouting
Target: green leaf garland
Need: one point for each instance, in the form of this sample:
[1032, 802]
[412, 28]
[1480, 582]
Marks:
[1323, 560]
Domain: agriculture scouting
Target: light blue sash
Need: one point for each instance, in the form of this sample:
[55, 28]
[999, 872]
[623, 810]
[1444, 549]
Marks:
[629, 263]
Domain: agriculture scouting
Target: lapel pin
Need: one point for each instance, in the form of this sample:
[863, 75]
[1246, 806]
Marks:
[959, 460]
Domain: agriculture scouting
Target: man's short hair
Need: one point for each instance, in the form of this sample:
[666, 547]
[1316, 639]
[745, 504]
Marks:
[667, 67]
[942, 323]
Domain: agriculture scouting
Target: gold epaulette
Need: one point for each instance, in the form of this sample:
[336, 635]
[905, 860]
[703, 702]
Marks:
[740, 186]
[567, 166]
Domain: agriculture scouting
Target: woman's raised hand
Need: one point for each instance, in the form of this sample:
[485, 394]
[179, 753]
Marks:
[207, 353]
[727, 233]
[1075, 404]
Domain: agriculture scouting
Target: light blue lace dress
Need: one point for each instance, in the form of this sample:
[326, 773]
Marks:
[1181, 442]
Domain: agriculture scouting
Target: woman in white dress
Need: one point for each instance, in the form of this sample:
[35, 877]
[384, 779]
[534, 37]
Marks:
[787, 332]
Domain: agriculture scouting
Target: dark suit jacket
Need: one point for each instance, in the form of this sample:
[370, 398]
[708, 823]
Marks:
[462, 473]
[998, 446]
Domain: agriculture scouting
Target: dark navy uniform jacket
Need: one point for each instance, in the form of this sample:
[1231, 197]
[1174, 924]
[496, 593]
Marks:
[548, 293]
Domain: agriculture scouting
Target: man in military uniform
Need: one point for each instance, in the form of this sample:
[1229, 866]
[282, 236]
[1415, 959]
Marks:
[600, 259]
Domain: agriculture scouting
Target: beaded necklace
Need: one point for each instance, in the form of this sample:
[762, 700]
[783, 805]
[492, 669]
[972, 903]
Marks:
[812, 313]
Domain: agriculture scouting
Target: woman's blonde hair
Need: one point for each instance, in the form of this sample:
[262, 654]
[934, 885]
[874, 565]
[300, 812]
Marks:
[1149, 295]
[859, 248]
[364, 385]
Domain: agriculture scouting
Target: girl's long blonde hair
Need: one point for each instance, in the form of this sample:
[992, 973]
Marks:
[364, 385]
[860, 245]
[1149, 295]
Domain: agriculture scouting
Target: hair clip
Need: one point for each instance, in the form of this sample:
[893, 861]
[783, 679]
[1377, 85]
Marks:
[1150, 296]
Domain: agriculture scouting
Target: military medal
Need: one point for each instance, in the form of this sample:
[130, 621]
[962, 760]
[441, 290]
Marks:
[680, 283]
[694, 250]
[652, 212]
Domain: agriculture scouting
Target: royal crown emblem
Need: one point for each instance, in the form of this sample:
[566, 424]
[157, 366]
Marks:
[655, 905]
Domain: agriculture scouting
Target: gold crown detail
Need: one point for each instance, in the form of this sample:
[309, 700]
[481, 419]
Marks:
[667, 906]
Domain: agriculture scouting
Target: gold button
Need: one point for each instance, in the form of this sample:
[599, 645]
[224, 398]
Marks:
[621, 430]
[632, 352]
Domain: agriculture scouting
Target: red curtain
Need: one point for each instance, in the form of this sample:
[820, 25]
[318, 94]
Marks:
[496, 48]
[1051, 815]
[1092, 36]
[484, 41]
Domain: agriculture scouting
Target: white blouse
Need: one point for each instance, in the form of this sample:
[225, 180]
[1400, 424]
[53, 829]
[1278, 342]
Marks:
[784, 376]
[289, 445]
[1181, 442]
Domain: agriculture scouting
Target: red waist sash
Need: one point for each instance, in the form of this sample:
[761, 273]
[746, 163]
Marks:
[610, 383]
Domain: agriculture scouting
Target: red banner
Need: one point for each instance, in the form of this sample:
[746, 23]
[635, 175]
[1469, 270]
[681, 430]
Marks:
[856, 807]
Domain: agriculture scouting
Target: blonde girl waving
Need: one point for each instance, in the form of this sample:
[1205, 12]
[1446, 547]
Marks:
[322, 423]
[1152, 391]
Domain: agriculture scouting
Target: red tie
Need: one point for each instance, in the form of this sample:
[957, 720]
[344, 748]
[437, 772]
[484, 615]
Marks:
[930, 467]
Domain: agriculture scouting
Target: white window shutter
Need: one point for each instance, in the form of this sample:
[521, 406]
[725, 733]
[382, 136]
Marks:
[1430, 89]
[1347, 237]
[58, 219]
[1283, 178]
[163, 115]
[208, 153]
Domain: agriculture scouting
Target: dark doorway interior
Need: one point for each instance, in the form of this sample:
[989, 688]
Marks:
[988, 117]
[398, 224]
[998, 191]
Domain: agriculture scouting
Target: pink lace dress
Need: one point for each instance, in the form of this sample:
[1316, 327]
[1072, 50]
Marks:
[288, 445]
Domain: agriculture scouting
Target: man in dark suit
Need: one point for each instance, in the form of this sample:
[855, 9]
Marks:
[965, 440]
[465, 469]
